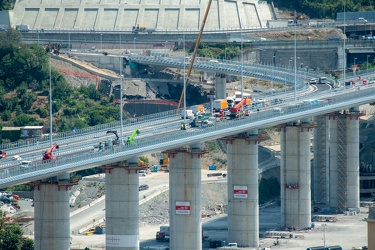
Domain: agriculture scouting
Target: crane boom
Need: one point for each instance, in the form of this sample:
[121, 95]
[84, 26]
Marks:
[195, 51]
[238, 106]
[48, 154]
[130, 138]
[115, 133]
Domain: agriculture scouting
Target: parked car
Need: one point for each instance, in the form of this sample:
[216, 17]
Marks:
[143, 187]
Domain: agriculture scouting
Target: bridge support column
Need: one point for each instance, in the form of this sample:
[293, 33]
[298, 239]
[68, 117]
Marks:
[185, 198]
[243, 200]
[295, 171]
[122, 205]
[345, 168]
[52, 213]
[220, 86]
[321, 161]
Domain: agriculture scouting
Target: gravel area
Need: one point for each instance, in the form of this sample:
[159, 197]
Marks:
[156, 210]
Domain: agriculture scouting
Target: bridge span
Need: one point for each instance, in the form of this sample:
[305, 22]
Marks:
[241, 136]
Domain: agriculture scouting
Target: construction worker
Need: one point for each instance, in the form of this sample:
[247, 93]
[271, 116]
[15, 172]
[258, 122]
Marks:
[183, 126]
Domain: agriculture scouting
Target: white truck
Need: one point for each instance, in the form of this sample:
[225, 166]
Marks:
[281, 23]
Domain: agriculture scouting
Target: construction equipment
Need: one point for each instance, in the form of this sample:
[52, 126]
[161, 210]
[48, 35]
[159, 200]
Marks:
[117, 140]
[139, 29]
[237, 110]
[131, 138]
[163, 234]
[48, 154]
[195, 52]
[2, 154]
[164, 161]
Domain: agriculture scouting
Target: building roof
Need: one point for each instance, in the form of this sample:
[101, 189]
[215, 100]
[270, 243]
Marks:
[11, 128]
[32, 127]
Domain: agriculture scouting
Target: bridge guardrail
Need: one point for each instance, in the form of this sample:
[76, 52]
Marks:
[231, 67]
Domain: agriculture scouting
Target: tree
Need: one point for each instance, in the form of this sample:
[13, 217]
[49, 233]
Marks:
[22, 120]
[28, 244]
[10, 234]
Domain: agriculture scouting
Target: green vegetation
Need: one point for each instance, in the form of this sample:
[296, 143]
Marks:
[218, 50]
[24, 91]
[325, 8]
[7, 4]
[269, 189]
[11, 236]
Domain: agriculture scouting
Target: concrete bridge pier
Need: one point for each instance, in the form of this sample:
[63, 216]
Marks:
[52, 213]
[122, 205]
[321, 161]
[243, 199]
[295, 171]
[220, 86]
[344, 169]
[185, 198]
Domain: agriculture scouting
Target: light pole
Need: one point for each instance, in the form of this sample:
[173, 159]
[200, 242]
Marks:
[241, 65]
[134, 43]
[101, 42]
[69, 42]
[295, 59]
[367, 63]
[184, 79]
[120, 43]
[50, 100]
[165, 47]
[121, 125]
[324, 235]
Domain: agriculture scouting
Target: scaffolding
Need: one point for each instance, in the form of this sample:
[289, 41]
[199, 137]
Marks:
[341, 163]
[320, 161]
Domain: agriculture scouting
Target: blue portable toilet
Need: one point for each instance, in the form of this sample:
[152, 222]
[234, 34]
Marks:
[155, 168]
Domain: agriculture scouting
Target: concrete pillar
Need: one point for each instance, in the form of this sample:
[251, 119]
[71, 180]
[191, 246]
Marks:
[243, 201]
[344, 161]
[352, 162]
[333, 174]
[220, 86]
[295, 175]
[52, 214]
[122, 206]
[321, 161]
[185, 198]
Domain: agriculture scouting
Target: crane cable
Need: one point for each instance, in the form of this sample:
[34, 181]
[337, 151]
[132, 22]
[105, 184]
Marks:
[195, 51]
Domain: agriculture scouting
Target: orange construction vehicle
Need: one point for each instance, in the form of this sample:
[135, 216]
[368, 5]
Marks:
[238, 109]
[2, 154]
[48, 154]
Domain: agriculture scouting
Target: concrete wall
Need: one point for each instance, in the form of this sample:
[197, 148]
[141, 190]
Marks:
[123, 14]
[312, 58]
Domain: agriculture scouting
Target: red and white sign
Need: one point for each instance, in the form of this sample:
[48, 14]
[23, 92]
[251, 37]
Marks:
[240, 192]
[182, 207]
